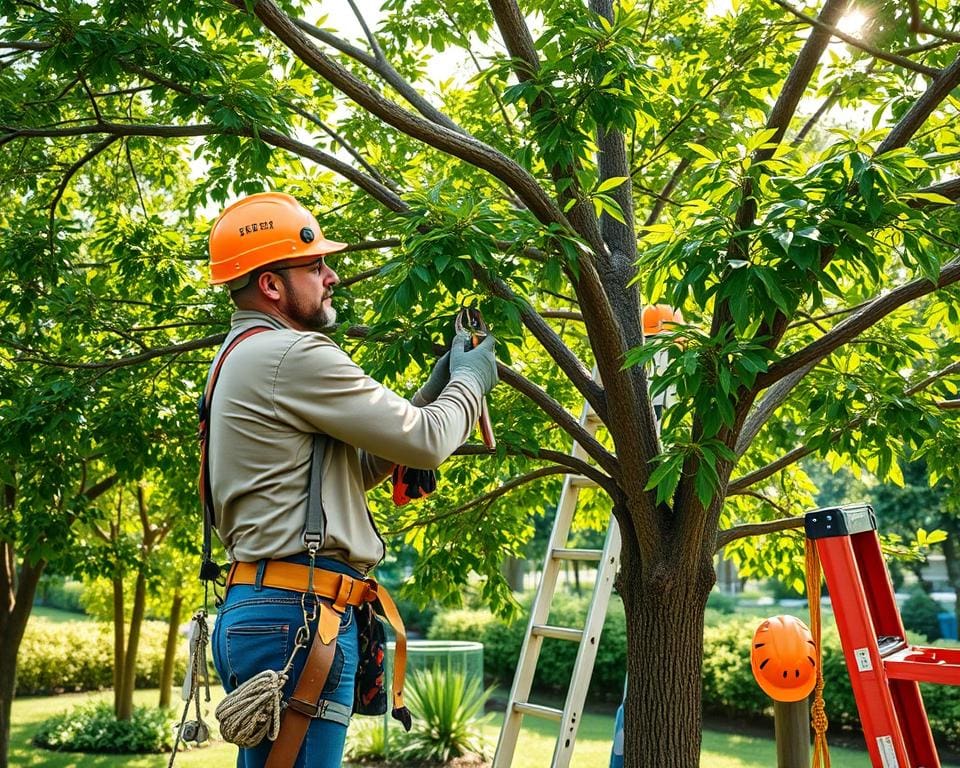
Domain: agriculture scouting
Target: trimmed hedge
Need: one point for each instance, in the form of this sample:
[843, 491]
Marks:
[78, 656]
[729, 689]
[95, 728]
[57, 592]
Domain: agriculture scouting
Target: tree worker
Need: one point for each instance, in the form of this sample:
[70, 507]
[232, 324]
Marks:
[276, 394]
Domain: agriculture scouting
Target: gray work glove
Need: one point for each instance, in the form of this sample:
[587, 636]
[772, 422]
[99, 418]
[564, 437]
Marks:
[479, 363]
[433, 386]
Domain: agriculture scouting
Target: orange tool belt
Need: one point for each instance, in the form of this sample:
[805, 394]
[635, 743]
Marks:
[342, 590]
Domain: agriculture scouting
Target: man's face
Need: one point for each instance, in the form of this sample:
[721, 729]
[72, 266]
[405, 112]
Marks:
[309, 294]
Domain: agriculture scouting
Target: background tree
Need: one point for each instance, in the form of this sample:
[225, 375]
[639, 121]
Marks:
[602, 156]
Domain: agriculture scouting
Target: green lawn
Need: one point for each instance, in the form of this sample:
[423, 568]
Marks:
[720, 750]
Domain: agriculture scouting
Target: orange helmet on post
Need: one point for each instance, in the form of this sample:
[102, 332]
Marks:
[658, 318]
[783, 658]
[262, 229]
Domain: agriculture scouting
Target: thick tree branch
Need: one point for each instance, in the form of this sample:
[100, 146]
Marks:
[562, 418]
[740, 484]
[922, 108]
[440, 137]
[24, 45]
[779, 120]
[579, 466]
[575, 370]
[847, 329]
[919, 26]
[378, 64]
[504, 489]
[757, 529]
[526, 63]
[560, 314]
[892, 58]
[122, 362]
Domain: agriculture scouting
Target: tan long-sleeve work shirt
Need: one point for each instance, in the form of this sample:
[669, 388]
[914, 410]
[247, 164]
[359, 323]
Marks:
[275, 391]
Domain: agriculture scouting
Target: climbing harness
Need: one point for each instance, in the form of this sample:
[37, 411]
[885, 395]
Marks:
[821, 753]
[255, 710]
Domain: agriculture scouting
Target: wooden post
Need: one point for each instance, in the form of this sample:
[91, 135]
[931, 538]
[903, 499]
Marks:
[792, 724]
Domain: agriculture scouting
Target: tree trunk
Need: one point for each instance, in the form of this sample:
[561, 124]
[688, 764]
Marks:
[170, 649]
[19, 590]
[664, 610]
[118, 642]
[133, 641]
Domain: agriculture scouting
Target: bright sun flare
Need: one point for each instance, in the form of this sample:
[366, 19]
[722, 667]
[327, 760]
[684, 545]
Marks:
[852, 23]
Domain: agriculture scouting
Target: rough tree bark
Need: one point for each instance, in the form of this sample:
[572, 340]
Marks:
[665, 601]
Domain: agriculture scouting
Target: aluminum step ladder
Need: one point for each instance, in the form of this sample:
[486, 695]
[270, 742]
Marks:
[588, 637]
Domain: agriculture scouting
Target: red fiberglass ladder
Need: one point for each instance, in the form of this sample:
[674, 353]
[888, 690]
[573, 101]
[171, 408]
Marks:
[884, 668]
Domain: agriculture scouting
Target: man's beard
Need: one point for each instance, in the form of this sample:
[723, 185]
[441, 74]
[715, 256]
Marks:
[315, 318]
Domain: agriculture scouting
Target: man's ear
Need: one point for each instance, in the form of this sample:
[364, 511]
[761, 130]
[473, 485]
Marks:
[269, 285]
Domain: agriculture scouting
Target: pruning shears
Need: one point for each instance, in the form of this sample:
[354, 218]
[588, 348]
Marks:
[470, 321]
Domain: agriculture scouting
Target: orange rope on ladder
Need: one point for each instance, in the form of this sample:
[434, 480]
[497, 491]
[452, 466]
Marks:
[821, 754]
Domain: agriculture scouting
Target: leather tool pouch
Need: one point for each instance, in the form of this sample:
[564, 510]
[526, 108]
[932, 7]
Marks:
[370, 694]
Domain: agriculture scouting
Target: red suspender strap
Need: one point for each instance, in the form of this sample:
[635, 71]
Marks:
[208, 569]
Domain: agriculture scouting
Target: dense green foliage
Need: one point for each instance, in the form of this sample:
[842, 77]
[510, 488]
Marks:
[75, 656]
[95, 728]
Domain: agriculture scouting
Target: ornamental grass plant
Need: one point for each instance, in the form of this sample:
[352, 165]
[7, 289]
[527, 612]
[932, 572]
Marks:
[448, 716]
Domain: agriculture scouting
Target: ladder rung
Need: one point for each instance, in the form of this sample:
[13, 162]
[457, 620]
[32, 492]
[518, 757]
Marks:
[547, 713]
[562, 553]
[582, 481]
[888, 644]
[560, 633]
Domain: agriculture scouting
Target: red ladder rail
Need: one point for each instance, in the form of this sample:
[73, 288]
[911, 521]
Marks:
[885, 670]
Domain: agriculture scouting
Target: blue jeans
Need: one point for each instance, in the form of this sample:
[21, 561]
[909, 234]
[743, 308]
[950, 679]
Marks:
[254, 631]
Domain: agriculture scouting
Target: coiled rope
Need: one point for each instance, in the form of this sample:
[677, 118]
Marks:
[821, 753]
[251, 712]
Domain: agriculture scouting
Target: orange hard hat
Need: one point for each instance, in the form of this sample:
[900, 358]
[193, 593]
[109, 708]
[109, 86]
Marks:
[783, 658]
[262, 229]
[658, 317]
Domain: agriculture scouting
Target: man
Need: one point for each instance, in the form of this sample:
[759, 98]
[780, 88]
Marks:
[275, 392]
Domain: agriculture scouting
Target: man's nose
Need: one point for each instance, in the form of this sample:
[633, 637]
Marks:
[331, 278]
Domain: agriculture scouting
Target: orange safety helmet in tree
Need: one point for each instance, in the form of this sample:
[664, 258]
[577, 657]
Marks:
[658, 318]
[783, 658]
[262, 229]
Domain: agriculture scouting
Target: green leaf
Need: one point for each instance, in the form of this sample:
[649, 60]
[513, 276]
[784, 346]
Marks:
[612, 183]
